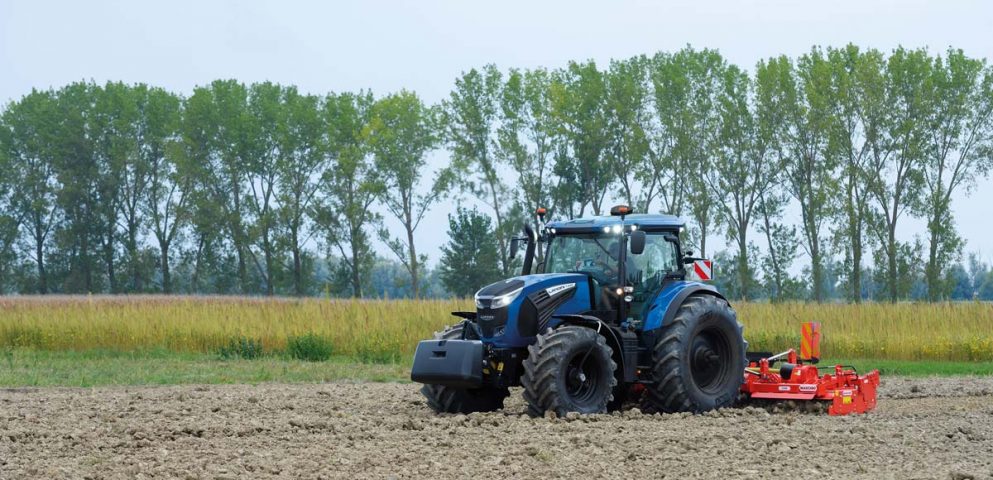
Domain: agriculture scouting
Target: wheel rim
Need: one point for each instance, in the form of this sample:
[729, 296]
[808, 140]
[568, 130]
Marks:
[710, 360]
[582, 377]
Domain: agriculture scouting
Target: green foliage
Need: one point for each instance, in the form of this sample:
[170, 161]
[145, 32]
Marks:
[299, 168]
[474, 113]
[578, 96]
[9, 226]
[241, 347]
[400, 133]
[744, 169]
[8, 356]
[960, 101]
[310, 347]
[629, 125]
[342, 212]
[526, 137]
[469, 261]
[242, 188]
[794, 95]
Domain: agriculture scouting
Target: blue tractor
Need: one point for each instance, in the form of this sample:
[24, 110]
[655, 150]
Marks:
[605, 317]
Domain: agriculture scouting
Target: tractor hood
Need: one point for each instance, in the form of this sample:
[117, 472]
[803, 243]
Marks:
[511, 312]
[505, 289]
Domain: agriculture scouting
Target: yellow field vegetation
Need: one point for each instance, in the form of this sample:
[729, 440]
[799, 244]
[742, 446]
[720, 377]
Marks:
[388, 330]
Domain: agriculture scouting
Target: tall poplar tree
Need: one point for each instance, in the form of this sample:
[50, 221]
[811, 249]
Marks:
[402, 130]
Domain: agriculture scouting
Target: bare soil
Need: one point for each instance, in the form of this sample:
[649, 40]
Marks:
[923, 428]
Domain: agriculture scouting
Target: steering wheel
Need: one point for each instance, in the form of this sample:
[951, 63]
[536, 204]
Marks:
[595, 268]
[608, 270]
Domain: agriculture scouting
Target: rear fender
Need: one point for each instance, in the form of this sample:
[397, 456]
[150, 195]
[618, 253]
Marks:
[625, 360]
[668, 301]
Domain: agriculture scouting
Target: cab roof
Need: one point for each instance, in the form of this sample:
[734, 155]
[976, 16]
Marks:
[647, 222]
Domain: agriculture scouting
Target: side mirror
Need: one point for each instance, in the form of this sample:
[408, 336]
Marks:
[637, 242]
[688, 257]
[515, 244]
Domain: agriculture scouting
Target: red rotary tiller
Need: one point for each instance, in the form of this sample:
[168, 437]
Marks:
[798, 378]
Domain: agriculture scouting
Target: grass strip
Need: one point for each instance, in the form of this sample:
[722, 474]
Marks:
[37, 368]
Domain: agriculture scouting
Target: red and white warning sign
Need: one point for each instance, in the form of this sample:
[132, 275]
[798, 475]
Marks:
[704, 269]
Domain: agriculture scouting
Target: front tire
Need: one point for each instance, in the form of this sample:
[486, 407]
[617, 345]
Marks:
[569, 370]
[444, 399]
[698, 363]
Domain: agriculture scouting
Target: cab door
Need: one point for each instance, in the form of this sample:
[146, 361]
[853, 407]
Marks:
[659, 260]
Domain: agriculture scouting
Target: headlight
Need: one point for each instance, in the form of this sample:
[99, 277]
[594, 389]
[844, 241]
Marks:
[500, 301]
[479, 304]
[505, 299]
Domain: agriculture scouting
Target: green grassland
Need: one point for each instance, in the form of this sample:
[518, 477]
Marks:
[34, 368]
[31, 368]
[89, 341]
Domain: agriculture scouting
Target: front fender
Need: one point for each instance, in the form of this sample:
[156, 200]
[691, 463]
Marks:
[667, 302]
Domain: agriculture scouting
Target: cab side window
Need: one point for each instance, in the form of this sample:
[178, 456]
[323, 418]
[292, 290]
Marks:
[658, 259]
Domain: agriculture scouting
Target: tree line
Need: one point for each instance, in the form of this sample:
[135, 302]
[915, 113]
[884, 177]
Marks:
[263, 189]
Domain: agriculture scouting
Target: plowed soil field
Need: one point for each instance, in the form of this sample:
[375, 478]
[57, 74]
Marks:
[923, 428]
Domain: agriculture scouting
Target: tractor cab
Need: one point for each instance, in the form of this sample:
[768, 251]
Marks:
[627, 259]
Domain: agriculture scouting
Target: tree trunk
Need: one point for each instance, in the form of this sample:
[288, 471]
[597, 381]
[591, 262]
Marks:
[238, 238]
[777, 275]
[413, 263]
[297, 265]
[108, 252]
[133, 255]
[816, 269]
[242, 271]
[166, 279]
[857, 265]
[84, 254]
[855, 216]
[201, 244]
[40, 257]
[743, 263]
[269, 290]
[703, 238]
[932, 271]
[356, 277]
[504, 260]
[891, 262]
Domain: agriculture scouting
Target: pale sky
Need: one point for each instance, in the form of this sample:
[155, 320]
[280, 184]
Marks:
[424, 45]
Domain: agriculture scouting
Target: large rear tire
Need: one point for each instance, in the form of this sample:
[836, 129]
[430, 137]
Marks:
[443, 399]
[569, 370]
[698, 361]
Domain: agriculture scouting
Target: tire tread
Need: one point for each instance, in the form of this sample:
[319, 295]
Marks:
[545, 358]
[668, 392]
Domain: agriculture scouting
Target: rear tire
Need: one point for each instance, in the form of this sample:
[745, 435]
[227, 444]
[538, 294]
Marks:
[698, 362]
[444, 399]
[569, 370]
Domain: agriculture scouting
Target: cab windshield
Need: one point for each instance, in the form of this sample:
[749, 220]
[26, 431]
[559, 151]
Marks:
[597, 255]
[593, 254]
